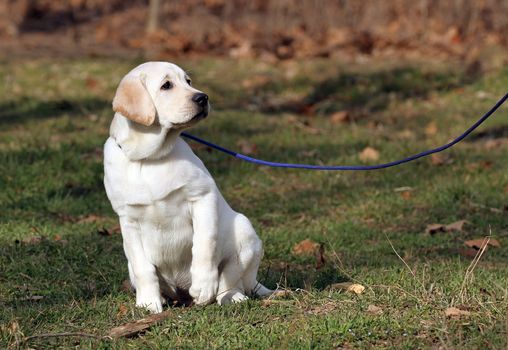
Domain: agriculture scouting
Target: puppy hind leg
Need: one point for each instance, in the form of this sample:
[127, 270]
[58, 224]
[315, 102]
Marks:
[252, 286]
[231, 288]
[250, 257]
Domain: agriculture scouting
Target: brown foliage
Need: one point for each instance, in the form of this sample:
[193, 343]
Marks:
[279, 29]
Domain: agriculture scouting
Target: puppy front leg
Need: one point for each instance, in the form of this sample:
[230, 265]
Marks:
[146, 280]
[204, 266]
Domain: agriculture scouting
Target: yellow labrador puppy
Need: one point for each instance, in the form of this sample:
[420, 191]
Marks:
[179, 234]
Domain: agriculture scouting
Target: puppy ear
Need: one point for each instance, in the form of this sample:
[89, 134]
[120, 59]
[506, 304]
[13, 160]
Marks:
[133, 101]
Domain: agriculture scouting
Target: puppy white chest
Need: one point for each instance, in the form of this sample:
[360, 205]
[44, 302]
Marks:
[166, 234]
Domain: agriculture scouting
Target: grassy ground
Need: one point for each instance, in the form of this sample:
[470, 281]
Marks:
[58, 274]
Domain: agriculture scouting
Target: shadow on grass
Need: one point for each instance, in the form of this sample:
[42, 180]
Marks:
[38, 181]
[90, 266]
[497, 132]
[27, 108]
[362, 93]
[299, 275]
[75, 267]
[358, 93]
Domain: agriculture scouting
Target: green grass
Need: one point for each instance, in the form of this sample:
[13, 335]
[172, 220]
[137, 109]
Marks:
[54, 118]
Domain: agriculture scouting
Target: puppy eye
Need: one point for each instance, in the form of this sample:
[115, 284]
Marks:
[189, 81]
[166, 86]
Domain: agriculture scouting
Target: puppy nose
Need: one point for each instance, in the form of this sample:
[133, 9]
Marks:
[201, 99]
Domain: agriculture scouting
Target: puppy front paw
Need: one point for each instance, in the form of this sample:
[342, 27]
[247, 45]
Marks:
[152, 303]
[204, 289]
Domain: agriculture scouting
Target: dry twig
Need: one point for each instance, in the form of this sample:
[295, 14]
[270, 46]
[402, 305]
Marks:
[133, 328]
[468, 277]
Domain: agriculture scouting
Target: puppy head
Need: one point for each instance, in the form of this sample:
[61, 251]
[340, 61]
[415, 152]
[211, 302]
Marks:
[163, 90]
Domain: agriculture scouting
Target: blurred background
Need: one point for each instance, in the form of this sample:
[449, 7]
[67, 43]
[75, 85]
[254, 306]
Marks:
[268, 29]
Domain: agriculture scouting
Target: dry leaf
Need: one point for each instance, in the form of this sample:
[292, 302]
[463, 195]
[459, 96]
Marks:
[85, 219]
[256, 81]
[134, 328]
[122, 311]
[126, 286]
[356, 288]
[348, 287]
[434, 228]
[281, 293]
[484, 164]
[267, 302]
[493, 144]
[323, 309]
[242, 51]
[307, 109]
[14, 327]
[456, 313]
[440, 159]
[104, 232]
[455, 226]
[304, 125]
[64, 217]
[406, 134]
[495, 243]
[374, 310]
[375, 125]
[32, 240]
[306, 247]
[468, 252]
[93, 118]
[369, 154]
[309, 154]
[91, 83]
[437, 159]
[109, 231]
[278, 293]
[482, 95]
[480, 242]
[307, 127]
[309, 247]
[406, 195]
[340, 117]
[247, 147]
[431, 129]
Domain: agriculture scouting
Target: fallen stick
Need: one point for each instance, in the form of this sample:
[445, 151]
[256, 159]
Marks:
[133, 328]
[126, 330]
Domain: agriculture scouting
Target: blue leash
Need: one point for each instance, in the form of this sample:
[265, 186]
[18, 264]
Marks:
[353, 167]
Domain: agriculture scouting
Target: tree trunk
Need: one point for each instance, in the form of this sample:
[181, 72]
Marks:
[153, 16]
